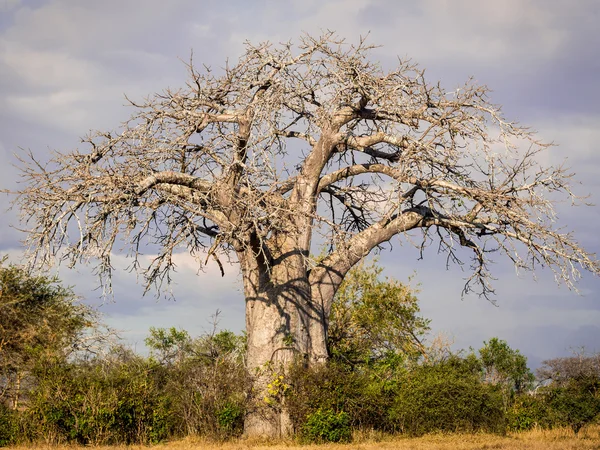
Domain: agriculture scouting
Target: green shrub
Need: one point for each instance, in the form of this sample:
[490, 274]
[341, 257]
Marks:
[327, 426]
[447, 396]
[576, 404]
[360, 393]
[231, 419]
[527, 412]
[8, 426]
[209, 397]
[113, 401]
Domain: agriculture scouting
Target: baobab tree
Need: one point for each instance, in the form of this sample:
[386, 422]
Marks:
[295, 147]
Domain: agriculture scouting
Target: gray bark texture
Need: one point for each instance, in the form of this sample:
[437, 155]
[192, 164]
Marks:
[290, 151]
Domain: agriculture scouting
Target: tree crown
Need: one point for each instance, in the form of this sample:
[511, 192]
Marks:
[294, 140]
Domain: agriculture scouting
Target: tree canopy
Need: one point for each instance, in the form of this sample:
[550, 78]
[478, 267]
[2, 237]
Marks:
[291, 139]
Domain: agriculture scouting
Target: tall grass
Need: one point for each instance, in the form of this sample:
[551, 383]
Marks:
[537, 439]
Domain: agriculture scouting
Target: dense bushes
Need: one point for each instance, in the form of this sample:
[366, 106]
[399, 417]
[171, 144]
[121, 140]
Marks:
[335, 388]
[117, 399]
[443, 396]
[447, 396]
[200, 389]
[528, 411]
[327, 426]
[124, 398]
[57, 390]
[8, 426]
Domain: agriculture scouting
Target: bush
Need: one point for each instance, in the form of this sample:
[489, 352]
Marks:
[576, 404]
[208, 397]
[527, 412]
[327, 426]
[113, 401]
[230, 419]
[8, 426]
[363, 396]
[447, 396]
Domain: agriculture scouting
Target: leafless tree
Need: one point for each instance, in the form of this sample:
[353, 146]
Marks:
[560, 371]
[258, 160]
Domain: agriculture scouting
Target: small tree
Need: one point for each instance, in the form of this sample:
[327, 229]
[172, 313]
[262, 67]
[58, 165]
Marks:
[256, 159]
[573, 388]
[40, 320]
[561, 371]
[168, 346]
[372, 319]
[504, 366]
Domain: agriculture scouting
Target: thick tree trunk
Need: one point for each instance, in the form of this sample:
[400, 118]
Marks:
[283, 325]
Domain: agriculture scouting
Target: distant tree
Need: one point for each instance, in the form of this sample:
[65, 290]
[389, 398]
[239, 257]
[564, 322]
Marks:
[561, 371]
[575, 403]
[173, 347]
[168, 346]
[256, 159]
[39, 320]
[572, 388]
[372, 319]
[504, 366]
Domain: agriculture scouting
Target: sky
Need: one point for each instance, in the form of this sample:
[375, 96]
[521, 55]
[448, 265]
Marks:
[66, 65]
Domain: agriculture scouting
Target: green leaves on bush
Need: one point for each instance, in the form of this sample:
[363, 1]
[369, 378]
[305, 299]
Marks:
[528, 411]
[8, 426]
[576, 404]
[117, 400]
[447, 396]
[364, 396]
[327, 426]
[231, 419]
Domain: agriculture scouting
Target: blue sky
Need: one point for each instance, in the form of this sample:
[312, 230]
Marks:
[65, 66]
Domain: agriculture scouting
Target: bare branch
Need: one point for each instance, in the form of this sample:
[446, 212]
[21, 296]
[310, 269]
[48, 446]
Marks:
[289, 142]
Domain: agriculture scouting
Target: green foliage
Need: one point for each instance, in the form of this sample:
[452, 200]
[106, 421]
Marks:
[527, 412]
[577, 403]
[8, 426]
[327, 426]
[106, 401]
[447, 396]
[168, 346]
[363, 395]
[374, 320]
[573, 390]
[504, 366]
[379, 377]
[39, 319]
[231, 419]
[206, 380]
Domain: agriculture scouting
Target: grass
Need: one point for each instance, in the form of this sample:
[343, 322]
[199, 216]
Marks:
[561, 439]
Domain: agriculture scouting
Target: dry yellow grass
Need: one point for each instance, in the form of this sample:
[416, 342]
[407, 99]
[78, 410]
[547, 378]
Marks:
[589, 438]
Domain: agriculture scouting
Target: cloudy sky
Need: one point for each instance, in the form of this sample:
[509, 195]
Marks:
[65, 66]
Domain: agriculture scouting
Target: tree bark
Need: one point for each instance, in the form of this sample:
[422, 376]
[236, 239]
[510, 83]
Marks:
[283, 326]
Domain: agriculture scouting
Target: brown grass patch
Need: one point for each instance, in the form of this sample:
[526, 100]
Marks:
[561, 439]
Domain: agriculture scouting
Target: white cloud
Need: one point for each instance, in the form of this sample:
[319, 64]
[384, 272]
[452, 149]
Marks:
[197, 296]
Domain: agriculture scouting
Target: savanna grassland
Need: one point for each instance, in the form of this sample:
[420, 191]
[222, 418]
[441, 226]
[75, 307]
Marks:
[558, 439]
